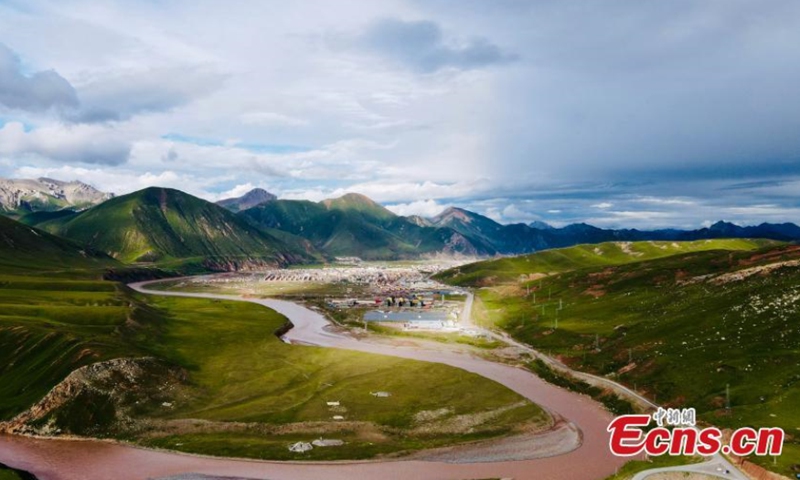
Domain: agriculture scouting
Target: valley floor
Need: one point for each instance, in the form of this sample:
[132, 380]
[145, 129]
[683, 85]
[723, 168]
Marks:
[591, 460]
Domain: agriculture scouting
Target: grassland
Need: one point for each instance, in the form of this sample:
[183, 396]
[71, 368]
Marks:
[680, 329]
[7, 473]
[246, 393]
[28, 251]
[242, 373]
[50, 326]
[548, 262]
[10, 475]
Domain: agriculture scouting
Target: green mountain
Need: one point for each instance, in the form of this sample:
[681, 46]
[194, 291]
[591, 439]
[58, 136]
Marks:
[354, 202]
[24, 249]
[165, 225]
[354, 225]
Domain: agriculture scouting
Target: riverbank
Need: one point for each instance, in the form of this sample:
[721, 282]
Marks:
[68, 460]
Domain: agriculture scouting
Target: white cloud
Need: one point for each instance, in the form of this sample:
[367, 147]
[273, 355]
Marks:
[513, 214]
[387, 191]
[271, 119]
[423, 208]
[665, 201]
[121, 95]
[65, 143]
[37, 91]
[603, 205]
[421, 46]
[235, 192]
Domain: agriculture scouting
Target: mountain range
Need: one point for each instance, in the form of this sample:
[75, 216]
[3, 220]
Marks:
[21, 196]
[354, 225]
[161, 225]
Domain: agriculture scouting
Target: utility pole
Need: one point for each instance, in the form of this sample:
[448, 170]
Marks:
[560, 304]
[534, 298]
[728, 396]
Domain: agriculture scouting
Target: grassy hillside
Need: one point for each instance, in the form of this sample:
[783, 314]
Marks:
[48, 328]
[515, 269]
[24, 249]
[159, 224]
[55, 313]
[678, 329]
[41, 219]
[353, 202]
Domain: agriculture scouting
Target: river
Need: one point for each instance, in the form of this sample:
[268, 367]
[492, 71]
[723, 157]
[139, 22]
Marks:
[58, 459]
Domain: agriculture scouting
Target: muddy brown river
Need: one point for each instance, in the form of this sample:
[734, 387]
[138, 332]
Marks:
[57, 459]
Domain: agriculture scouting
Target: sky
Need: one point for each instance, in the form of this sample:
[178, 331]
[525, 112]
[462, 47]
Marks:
[666, 113]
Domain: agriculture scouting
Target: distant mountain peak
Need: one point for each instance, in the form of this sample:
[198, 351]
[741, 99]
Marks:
[253, 198]
[358, 202]
[47, 194]
[723, 223]
[357, 196]
[351, 198]
[454, 213]
[540, 225]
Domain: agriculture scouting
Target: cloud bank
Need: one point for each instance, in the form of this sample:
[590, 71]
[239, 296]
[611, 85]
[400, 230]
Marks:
[36, 91]
[620, 113]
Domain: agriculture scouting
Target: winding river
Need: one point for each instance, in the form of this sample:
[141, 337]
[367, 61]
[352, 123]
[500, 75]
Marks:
[57, 459]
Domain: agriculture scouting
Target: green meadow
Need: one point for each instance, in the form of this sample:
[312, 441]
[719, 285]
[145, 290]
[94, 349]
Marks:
[246, 393]
[49, 327]
[509, 270]
[241, 372]
[706, 329]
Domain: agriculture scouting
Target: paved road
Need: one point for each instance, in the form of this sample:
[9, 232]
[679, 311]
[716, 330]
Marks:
[713, 467]
[716, 465]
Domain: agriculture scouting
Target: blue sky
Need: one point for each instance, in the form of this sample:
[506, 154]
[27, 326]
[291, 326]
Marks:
[671, 113]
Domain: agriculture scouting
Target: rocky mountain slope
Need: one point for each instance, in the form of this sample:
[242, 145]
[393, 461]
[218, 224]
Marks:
[45, 194]
[253, 198]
